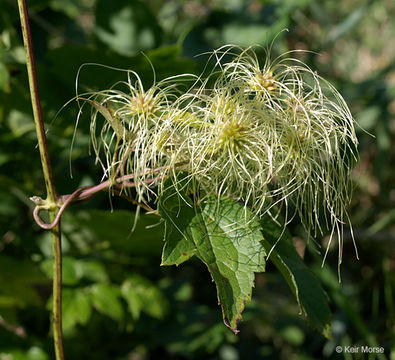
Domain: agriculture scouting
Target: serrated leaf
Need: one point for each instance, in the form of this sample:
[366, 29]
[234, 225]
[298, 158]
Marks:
[307, 289]
[178, 213]
[221, 233]
[228, 241]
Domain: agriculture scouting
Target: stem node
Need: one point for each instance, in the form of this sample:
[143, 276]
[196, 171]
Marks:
[50, 203]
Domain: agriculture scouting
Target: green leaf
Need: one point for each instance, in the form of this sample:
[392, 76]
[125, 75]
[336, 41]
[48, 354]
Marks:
[246, 34]
[26, 272]
[224, 235]
[18, 280]
[351, 20]
[127, 27]
[7, 301]
[74, 270]
[34, 353]
[20, 123]
[76, 308]
[110, 118]
[71, 275]
[142, 295]
[92, 270]
[312, 299]
[105, 299]
[99, 229]
[228, 241]
[135, 304]
[178, 214]
[4, 78]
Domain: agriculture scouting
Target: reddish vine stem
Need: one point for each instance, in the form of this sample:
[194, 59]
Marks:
[81, 194]
[86, 192]
[52, 198]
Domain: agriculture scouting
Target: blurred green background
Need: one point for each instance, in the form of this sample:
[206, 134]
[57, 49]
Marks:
[118, 302]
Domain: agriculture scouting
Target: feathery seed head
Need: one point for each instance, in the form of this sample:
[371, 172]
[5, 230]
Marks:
[263, 134]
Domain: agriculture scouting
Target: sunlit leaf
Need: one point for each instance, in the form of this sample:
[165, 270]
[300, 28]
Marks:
[70, 273]
[306, 287]
[105, 299]
[226, 237]
[142, 295]
[76, 308]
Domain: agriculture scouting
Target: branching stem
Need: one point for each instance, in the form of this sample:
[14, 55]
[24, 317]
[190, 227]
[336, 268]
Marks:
[85, 193]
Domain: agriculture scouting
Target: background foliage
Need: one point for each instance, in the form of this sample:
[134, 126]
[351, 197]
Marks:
[118, 302]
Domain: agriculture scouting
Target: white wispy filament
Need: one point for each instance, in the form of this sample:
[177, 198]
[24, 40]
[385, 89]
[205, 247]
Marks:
[265, 133]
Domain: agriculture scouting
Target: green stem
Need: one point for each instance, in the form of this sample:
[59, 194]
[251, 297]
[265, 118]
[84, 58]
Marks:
[57, 290]
[49, 183]
[35, 97]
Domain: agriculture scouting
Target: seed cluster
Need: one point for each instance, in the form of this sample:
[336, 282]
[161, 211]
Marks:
[264, 133]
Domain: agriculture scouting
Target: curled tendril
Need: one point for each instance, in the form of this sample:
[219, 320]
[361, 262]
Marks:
[118, 185]
[67, 200]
